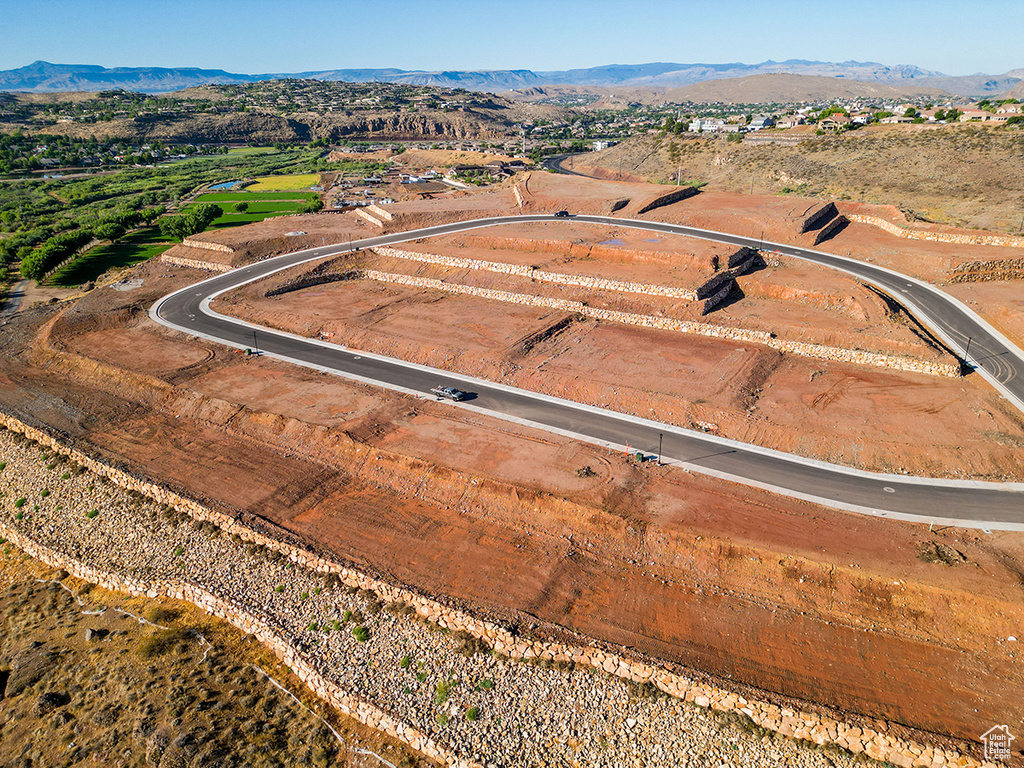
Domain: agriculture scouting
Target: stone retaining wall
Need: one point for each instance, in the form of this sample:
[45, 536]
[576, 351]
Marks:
[672, 197]
[362, 213]
[958, 238]
[380, 213]
[787, 721]
[207, 246]
[279, 643]
[532, 273]
[834, 354]
[830, 230]
[819, 217]
[208, 266]
[980, 271]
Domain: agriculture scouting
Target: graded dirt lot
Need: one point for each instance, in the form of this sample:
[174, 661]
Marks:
[873, 418]
[873, 617]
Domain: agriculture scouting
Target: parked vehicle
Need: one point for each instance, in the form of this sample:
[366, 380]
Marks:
[450, 393]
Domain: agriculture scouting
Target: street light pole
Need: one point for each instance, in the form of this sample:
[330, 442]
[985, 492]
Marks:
[661, 436]
[255, 345]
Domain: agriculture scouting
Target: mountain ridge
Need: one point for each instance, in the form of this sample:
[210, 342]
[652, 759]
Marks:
[45, 77]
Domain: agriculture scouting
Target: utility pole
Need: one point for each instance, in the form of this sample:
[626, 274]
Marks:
[255, 344]
[660, 438]
[967, 352]
[679, 174]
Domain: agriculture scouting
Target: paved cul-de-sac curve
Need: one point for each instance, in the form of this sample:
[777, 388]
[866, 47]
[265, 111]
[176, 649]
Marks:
[975, 504]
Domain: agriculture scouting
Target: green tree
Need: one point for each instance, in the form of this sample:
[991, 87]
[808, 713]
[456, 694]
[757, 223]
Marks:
[191, 221]
[109, 230]
[241, 207]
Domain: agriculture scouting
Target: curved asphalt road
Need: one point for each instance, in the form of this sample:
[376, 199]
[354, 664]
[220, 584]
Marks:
[963, 503]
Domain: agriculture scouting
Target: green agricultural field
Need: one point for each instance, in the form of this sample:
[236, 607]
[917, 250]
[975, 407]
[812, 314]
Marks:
[236, 219]
[257, 213]
[289, 181]
[244, 151]
[133, 248]
[253, 197]
[268, 206]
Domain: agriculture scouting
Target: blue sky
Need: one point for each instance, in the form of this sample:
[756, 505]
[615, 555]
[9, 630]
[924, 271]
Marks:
[257, 36]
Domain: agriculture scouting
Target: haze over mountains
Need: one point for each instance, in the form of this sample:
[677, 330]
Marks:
[44, 77]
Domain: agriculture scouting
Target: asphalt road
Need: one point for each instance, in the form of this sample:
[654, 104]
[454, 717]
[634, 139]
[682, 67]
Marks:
[965, 503]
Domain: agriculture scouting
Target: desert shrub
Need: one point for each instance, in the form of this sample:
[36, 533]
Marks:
[20, 503]
[469, 645]
[92, 513]
[361, 633]
[406, 662]
[163, 641]
[473, 713]
[442, 691]
[159, 614]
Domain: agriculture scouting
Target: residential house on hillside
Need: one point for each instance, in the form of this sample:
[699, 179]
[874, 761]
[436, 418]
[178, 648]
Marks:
[712, 124]
[834, 123]
[760, 122]
[1009, 109]
[973, 115]
[790, 121]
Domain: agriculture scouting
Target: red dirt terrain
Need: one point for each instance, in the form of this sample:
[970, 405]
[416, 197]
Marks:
[872, 418]
[876, 618]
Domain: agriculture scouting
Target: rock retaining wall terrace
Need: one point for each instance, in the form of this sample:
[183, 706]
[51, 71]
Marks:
[819, 217]
[959, 238]
[380, 213]
[279, 643]
[207, 246]
[672, 197]
[835, 354]
[208, 266]
[980, 271]
[362, 213]
[787, 721]
[532, 273]
[830, 230]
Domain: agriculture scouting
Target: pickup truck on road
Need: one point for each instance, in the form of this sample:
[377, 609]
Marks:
[449, 392]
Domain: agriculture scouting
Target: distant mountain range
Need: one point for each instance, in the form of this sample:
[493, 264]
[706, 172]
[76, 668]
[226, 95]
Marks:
[43, 77]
